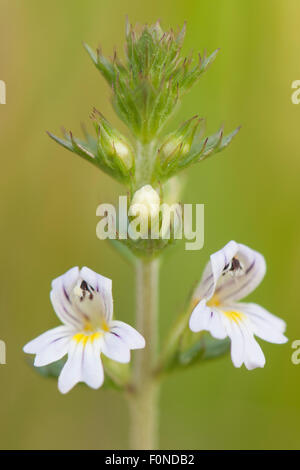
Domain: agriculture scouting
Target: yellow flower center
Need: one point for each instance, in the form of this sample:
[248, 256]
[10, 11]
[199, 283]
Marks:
[90, 334]
[234, 316]
[214, 301]
[85, 338]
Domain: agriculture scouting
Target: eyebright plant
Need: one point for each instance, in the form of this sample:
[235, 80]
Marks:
[83, 302]
[146, 87]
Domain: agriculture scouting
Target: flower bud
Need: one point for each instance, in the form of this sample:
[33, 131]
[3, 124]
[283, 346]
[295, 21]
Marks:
[148, 201]
[124, 153]
[145, 205]
[178, 144]
[114, 146]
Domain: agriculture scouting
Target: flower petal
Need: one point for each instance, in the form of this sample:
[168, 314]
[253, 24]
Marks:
[254, 356]
[71, 373]
[69, 279]
[92, 369]
[235, 287]
[60, 297]
[65, 312]
[115, 348]
[101, 284]
[237, 343]
[53, 352]
[129, 335]
[244, 348]
[42, 341]
[214, 270]
[265, 325]
[226, 284]
[209, 319]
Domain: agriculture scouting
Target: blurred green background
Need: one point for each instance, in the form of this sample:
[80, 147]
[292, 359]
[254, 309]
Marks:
[49, 198]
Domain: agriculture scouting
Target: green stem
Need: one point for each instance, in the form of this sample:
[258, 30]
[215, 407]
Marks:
[144, 399]
[144, 164]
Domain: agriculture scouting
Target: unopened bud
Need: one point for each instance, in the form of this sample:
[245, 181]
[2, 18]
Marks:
[145, 205]
[174, 145]
[114, 146]
[124, 153]
[178, 144]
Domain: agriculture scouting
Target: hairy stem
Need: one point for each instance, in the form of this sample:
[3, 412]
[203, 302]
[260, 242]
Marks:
[144, 399]
[145, 160]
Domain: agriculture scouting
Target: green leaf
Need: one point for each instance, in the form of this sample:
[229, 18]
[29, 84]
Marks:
[195, 349]
[116, 373]
[51, 370]
[92, 152]
[199, 151]
[123, 249]
[217, 143]
[206, 347]
[76, 146]
[215, 347]
[102, 64]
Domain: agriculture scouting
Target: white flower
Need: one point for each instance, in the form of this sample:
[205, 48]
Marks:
[145, 205]
[83, 302]
[146, 201]
[232, 273]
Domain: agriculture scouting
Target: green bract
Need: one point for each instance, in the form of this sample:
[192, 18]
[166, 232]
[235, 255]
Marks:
[184, 149]
[146, 87]
[184, 348]
[148, 84]
[109, 151]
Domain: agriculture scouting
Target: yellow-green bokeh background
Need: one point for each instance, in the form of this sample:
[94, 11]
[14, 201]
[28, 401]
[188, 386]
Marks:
[49, 197]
